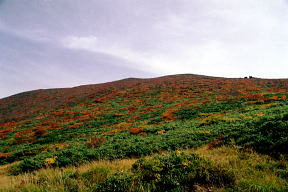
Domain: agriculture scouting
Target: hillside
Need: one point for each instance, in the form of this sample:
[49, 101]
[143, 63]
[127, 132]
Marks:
[133, 118]
[30, 103]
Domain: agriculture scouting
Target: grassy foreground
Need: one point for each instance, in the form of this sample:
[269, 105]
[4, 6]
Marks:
[252, 172]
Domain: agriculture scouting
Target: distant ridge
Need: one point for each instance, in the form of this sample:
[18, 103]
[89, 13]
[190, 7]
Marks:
[31, 103]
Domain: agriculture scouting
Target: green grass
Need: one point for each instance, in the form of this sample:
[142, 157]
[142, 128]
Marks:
[226, 168]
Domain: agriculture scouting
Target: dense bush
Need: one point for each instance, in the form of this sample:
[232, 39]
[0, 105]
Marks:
[21, 152]
[121, 147]
[173, 172]
[267, 135]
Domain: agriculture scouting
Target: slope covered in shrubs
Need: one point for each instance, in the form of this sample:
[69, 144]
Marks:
[133, 118]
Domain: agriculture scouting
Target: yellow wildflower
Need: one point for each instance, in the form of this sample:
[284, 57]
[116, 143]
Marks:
[185, 164]
[161, 131]
[50, 161]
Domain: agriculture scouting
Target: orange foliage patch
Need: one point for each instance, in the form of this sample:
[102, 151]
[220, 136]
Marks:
[4, 155]
[143, 133]
[135, 130]
[169, 115]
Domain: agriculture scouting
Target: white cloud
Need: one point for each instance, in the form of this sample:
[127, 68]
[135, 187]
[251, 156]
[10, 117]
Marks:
[88, 43]
[214, 38]
[186, 59]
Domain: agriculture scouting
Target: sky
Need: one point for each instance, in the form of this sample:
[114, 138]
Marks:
[66, 43]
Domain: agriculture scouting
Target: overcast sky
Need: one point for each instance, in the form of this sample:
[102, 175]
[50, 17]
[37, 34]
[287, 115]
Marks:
[64, 43]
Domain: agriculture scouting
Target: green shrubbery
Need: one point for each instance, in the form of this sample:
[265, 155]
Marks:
[21, 152]
[173, 172]
[121, 147]
[119, 182]
[266, 135]
[190, 113]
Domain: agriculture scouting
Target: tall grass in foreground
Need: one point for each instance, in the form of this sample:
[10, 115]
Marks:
[252, 172]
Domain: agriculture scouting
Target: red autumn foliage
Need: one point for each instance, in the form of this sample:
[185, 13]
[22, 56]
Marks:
[169, 115]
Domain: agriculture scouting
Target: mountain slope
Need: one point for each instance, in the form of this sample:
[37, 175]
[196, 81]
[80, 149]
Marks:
[138, 117]
[26, 104]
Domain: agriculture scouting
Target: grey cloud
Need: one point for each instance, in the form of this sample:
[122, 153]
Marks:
[27, 65]
[220, 38]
